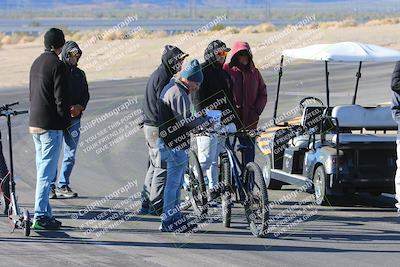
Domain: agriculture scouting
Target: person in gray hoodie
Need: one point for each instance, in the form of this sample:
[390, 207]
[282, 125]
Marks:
[176, 124]
[79, 98]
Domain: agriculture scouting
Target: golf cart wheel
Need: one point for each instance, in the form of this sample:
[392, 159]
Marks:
[197, 187]
[256, 202]
[27, 223]
[226, 193]
[319, 181]
[270, 183]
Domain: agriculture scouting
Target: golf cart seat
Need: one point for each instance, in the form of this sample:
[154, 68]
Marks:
[300, 141]
[311, 123]
[355, 117]
[364, 138]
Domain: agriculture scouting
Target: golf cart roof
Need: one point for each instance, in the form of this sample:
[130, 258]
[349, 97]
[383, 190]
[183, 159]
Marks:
[344, 52]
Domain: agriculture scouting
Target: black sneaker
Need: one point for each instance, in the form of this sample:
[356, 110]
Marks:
[184, 225]
[142, 211]
[55, 221]
[213, 194]
[52, 194]
[45, 223]
[66, 192]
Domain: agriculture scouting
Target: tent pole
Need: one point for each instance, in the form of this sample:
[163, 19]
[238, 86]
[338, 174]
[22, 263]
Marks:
[327, 83]
[277, 90]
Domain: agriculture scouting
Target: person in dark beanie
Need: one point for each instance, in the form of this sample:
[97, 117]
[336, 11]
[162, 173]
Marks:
[49, 116]
[396, 116]
[176, 124]
[215, 94]
[79, 97]
[152, 193]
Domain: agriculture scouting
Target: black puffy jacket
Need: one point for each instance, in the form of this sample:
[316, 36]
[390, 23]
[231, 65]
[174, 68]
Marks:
[216, 86]
[77, 83]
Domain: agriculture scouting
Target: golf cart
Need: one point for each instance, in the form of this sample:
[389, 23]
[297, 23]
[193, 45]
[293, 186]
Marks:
[339, 149]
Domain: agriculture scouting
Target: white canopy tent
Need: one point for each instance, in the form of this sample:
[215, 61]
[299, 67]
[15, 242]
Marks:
[339, 52]
[344, 52]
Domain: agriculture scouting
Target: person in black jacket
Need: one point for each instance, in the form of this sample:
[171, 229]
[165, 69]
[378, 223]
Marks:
[49, 116]
[215, 94]
[79, 97]
[153, 188]
[396, 117]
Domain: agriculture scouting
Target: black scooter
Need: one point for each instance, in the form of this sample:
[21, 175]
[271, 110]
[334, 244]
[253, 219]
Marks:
[18, 219]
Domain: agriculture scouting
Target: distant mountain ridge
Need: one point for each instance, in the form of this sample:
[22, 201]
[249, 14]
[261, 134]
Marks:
[17, 4]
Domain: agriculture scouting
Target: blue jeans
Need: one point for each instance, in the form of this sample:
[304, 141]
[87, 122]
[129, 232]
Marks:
[71, 139]
[48, 147]
[177, 161]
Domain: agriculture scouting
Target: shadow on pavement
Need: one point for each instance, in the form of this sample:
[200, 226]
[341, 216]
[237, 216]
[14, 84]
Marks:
[201, 246]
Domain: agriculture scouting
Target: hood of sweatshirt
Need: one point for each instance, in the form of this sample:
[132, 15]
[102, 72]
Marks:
[238, 47]
[171, 56]
[69, 46]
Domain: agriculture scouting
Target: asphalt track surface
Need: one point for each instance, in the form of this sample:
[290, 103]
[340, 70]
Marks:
[100, 229]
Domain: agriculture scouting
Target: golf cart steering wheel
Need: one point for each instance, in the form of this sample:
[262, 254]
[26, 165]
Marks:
[302, 104]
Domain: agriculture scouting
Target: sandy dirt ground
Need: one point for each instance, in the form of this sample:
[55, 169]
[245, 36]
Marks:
[134, 58]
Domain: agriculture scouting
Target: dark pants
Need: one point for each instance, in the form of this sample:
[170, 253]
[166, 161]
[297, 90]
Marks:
[3, 173]
[250, 152]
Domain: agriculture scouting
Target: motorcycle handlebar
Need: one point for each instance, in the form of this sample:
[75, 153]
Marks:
[20, 112]
[8, 106]
[6, 113]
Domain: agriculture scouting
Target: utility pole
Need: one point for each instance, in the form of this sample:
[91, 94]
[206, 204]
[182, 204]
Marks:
[175, 7]
[267, 15]
[192, 9]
